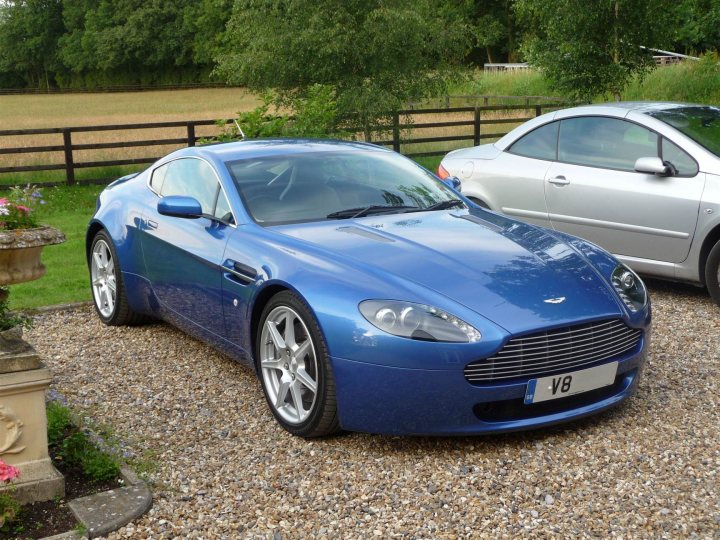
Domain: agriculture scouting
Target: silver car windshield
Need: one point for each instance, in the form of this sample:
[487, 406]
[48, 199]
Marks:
[702, 124]
[314, 186]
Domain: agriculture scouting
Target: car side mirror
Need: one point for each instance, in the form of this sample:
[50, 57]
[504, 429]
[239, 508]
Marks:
[179, 206]
[453, 182]
[653, 165]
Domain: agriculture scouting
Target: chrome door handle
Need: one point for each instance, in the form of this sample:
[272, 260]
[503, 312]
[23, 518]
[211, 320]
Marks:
[559, 181]
[242, 272]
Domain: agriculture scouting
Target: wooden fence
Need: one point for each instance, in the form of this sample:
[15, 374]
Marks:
[407, 133]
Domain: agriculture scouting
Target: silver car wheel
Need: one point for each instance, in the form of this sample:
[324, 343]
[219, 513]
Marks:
[289, 365]
[102, 275]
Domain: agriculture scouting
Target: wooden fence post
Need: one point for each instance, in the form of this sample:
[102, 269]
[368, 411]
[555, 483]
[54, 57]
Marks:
[69, 165]
[396, 132]
[476, 126]
[190, 134]
[538, 110]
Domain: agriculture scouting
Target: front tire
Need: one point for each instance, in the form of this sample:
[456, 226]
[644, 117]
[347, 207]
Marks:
[712, 273]
[106, 282]
[294, 368]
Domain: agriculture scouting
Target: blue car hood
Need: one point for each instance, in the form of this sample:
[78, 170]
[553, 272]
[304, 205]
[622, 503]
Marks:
[514, 274]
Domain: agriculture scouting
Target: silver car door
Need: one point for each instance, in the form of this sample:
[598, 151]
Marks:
[514, 180]
[593, 192]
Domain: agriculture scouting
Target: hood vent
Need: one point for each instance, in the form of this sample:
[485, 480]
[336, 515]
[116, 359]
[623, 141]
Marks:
[370, 235]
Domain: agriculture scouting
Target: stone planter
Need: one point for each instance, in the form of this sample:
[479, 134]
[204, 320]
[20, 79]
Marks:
[20, 253]
[23, 377]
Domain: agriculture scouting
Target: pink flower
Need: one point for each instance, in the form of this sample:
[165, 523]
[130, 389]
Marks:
[8, 472]
[3, 202]
[23, 209]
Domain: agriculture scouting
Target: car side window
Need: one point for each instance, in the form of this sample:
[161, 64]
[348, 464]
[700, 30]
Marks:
[609, 143]
[192, 178]
[222, 209]
[540, 143]
[681, 160]
[158, 177]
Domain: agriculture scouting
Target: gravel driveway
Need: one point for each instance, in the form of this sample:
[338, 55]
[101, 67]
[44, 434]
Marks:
[224, 468]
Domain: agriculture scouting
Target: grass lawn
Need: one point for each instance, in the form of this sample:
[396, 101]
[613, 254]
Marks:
[69, 209]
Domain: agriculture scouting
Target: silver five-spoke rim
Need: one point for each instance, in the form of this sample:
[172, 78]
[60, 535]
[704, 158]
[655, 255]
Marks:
[102, 273]
[289, 364]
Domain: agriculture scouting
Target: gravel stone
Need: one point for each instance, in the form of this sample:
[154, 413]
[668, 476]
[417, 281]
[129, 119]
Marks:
[225, 469]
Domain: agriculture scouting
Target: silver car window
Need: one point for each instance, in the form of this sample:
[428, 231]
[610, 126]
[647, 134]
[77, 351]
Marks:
[681, 160]
[610, 143]
[540, 143]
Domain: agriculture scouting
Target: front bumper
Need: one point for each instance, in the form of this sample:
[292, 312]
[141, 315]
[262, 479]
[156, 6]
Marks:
[399, 401]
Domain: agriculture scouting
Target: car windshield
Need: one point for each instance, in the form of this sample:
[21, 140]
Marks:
[313, 186]
[702, 124]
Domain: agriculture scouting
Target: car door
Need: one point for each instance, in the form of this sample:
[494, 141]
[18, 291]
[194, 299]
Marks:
[183, 256]
[592, 191]
[515, 179]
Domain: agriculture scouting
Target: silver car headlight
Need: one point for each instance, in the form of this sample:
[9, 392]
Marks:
[629, 287]
[417, 321]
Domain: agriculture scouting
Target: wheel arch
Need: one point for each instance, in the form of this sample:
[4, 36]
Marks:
[94, 228]
[261, 300]
[712, 238]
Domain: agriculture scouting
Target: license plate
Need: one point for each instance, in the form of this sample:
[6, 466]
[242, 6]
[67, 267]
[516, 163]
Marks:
[568, 384]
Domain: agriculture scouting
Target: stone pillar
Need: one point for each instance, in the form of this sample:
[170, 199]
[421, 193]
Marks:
[23, 424]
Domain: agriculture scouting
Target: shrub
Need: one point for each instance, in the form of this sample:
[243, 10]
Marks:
[313, 115]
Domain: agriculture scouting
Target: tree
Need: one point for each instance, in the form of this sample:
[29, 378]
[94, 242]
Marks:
[494, 27]
[374, 55]
[590, 48]
[29, 30]
[697, 25]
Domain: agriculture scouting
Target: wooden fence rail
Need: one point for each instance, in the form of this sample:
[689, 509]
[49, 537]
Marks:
[403, 131]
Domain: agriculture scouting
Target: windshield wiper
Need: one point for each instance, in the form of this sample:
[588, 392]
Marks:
[442, 205]
[361, 211]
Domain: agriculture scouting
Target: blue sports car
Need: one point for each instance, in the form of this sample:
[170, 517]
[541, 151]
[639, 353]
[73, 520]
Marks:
[367, 294]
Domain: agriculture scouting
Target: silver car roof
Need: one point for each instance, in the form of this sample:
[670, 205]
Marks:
[619, 109]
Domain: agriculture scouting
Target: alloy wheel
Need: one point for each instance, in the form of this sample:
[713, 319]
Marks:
[102, 275]
[289, 365]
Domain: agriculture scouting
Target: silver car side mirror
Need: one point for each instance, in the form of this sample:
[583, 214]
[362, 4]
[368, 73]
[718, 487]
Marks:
[653, 165]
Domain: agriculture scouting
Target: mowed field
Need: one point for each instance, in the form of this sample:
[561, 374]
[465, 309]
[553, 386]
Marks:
[71, 110]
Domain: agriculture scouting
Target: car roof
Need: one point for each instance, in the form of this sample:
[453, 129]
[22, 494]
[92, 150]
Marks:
[268, 147]
[639, 106]
[619, 109]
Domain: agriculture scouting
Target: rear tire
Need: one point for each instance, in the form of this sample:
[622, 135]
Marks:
[106, 283]
[712, 273]
[294, 368]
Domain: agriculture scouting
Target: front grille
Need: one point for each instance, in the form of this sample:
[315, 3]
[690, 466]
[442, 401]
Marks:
[557, 350]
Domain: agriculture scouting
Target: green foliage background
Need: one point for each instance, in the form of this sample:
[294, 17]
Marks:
[367, 50]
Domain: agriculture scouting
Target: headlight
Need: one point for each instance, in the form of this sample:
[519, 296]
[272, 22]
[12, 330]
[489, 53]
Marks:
[629, 287]
[417, 321]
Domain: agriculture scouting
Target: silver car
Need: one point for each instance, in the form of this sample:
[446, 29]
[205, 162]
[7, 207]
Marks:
[640, 179]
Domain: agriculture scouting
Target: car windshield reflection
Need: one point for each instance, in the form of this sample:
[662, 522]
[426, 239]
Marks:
[339, 185]
[702, 124]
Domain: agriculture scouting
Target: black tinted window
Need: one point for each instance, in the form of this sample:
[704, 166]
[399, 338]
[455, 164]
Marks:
[540, 143]
[605, 142]
[684, 164]
[193, 178]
